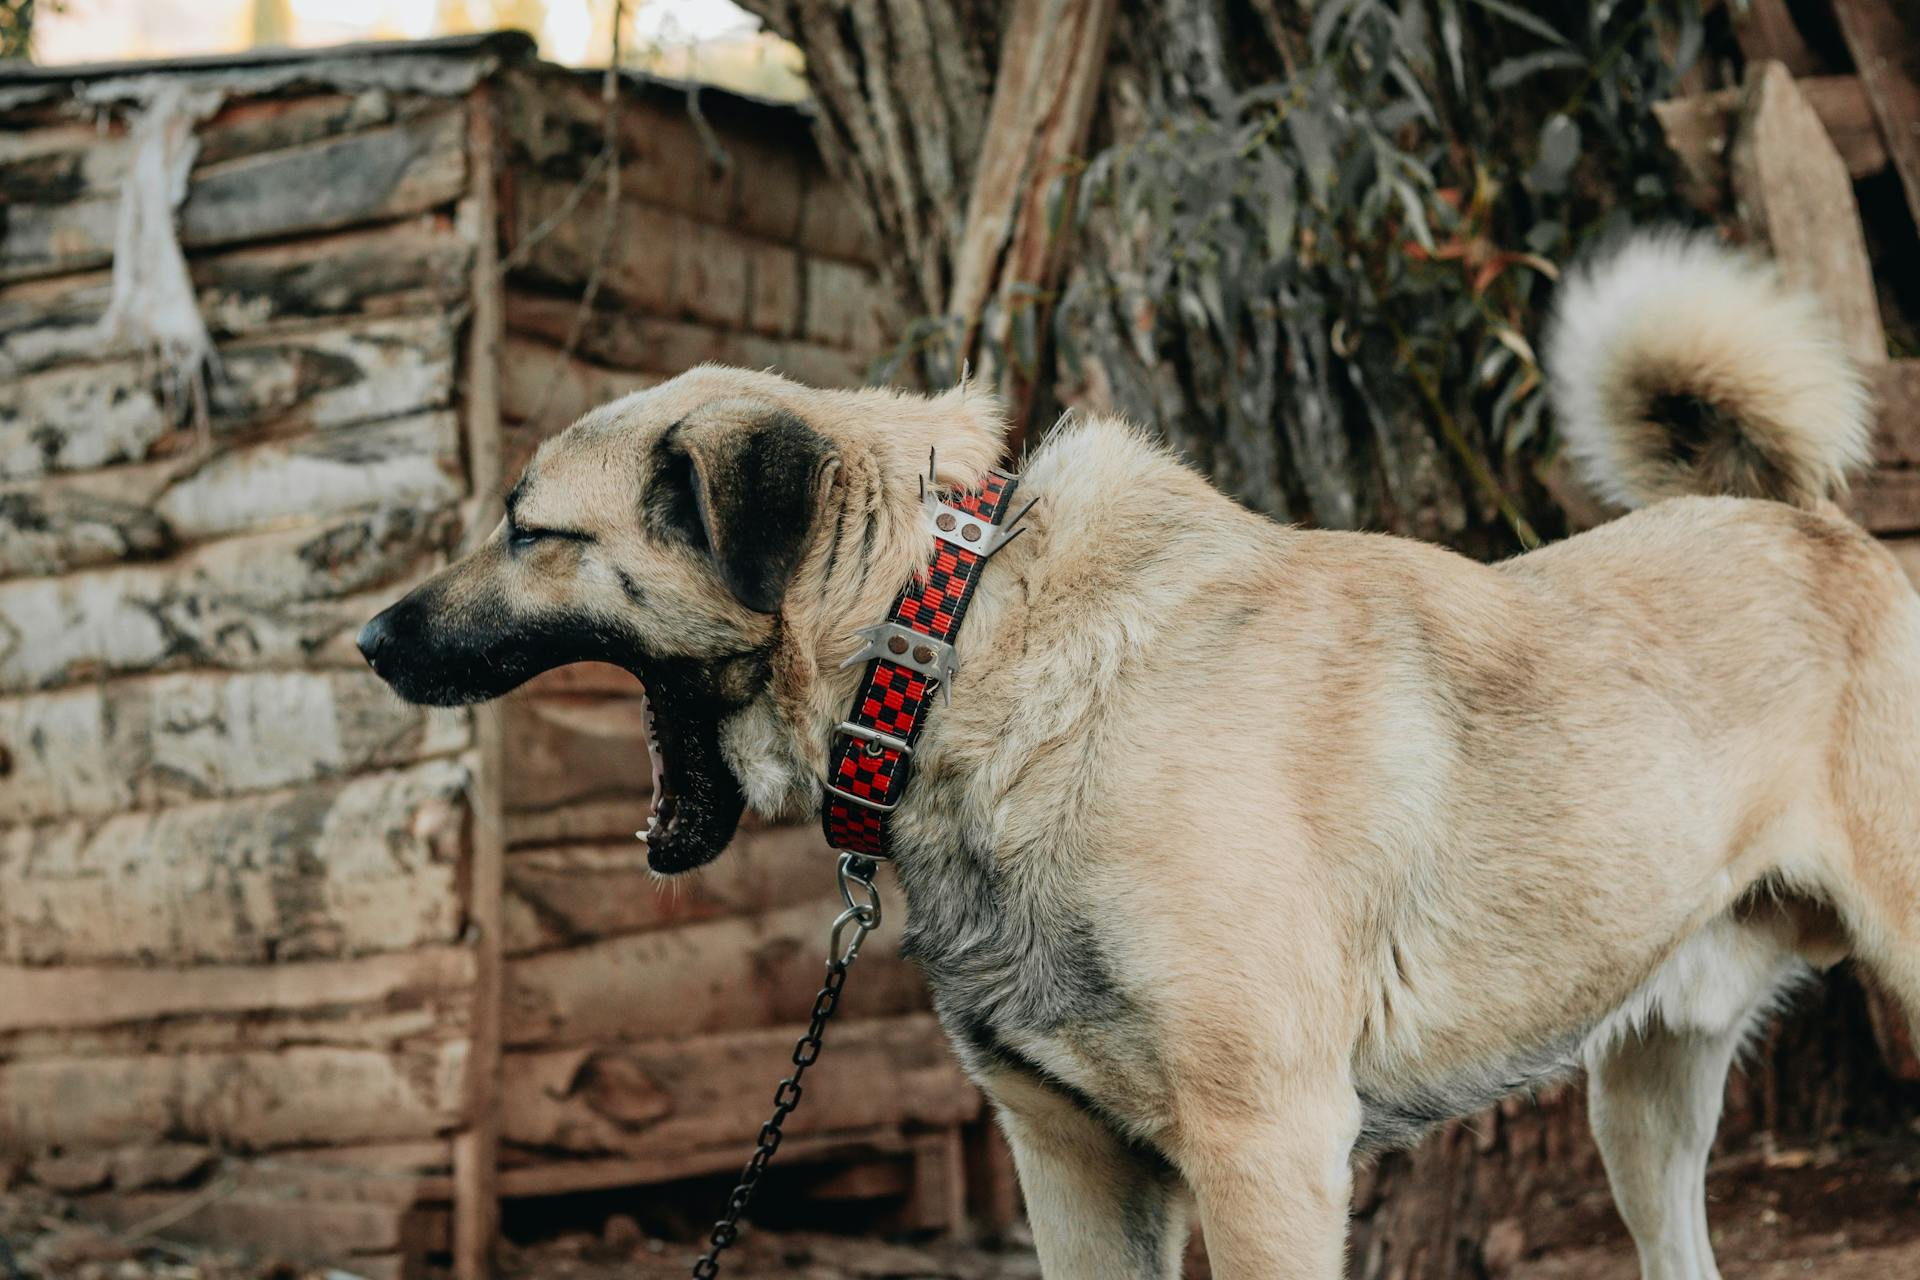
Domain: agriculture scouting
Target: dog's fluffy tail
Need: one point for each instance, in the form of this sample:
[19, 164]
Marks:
[1679, 366]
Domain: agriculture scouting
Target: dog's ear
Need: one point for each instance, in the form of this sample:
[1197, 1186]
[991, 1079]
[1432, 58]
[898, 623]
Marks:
[747, 496]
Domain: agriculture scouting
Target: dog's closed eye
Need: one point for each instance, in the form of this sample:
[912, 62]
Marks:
[520, 538]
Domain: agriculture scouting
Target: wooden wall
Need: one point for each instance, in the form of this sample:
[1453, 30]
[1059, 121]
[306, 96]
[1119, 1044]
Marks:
[234, 983]
[645, 1028]
[250, 903]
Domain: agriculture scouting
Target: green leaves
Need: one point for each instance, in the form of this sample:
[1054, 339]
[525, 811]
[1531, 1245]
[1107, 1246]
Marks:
[1286, 274]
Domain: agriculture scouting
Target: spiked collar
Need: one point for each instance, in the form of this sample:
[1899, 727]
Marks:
[910, 656]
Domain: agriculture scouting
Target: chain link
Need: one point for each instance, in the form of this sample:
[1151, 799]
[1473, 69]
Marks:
[863, 915]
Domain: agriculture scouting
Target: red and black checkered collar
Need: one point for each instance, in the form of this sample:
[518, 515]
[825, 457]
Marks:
[908, 657]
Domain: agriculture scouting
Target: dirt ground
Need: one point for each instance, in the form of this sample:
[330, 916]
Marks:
[1839, 1215]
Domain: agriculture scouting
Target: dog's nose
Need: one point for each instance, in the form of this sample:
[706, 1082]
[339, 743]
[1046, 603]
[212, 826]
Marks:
[373, 638]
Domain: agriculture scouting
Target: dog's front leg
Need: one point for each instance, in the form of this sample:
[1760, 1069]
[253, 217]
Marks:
[1101, 1208]
[1272, 1184]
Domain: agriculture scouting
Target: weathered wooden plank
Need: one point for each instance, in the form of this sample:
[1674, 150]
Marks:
[1699, 127]
[99, 749]
[528, 1173]
[568, 749]
[1887, 500]
[714, 975]
[71, 521]
[590, 820]
[412, 461]
[1767, 33]
[476, 1147]
[337, 869]
[1792, 191]
[406, 168]
[133, 1168]
[55, 164]
[626, 340]
[1896, 397]
[93, 995]
[540, 381]
[846, 307]
[556, 125]
[424, 1014]
[76, 417]
[240, 603]
[833, 224]
[247, 1101]
[1884, 38]
[561, 895]
[416, 266]
[373, 175]
[657, 1100]
[59, 162]
[52, 527]
[1842, 105]
[663, 263]
[280, 1226]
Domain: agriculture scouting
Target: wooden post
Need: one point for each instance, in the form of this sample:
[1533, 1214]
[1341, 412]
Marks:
[1792, 191]
[476, 1192]
[938, 1201]
[1886, 47]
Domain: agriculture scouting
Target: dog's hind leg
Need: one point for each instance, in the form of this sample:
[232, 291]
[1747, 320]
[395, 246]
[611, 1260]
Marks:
[1656, 1080]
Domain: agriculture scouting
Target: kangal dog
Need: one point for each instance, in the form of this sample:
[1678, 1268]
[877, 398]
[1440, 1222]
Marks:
[1242, 850]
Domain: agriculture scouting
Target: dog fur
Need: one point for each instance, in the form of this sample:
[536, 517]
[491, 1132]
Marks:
[1244, 849]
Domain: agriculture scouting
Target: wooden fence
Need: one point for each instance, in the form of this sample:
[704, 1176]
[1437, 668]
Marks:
[285, 961]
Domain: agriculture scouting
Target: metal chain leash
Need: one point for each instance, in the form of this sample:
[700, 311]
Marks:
[862, 914]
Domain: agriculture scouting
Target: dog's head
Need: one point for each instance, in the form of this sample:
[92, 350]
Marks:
[707, 535]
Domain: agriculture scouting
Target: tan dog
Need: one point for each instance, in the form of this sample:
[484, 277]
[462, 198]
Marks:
[1242, 849]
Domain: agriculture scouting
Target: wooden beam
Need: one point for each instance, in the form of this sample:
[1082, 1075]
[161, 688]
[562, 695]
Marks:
[78, 417]
[245, 1099]
[404, 168]
[663, 1098]
[1842, 105]
[321, 871]
[1884, 39]
[476, 1147]
[562, 895]
[66, 996]
[660, 982]
[938, 1200]
[546, 1176]
[1887, 500]
[1699, 127]
[1767, 32]
[262, 600]
[1896, 398]
[1793, 193]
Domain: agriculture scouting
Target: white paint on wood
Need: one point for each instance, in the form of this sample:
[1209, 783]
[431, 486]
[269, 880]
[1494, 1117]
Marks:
[338, 869]
[242, 603]
[100, 749]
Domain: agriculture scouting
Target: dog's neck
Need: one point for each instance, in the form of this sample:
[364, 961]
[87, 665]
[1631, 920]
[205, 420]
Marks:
[874, 541]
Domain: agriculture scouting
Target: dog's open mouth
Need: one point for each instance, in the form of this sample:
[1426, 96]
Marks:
[660, 817]
[696, 802]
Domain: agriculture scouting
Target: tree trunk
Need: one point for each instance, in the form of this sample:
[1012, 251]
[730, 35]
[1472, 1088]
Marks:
[1328, 431]
[1298, 413]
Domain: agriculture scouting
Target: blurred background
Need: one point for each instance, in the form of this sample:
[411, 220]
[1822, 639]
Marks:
[713, 41]
[298, 980]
